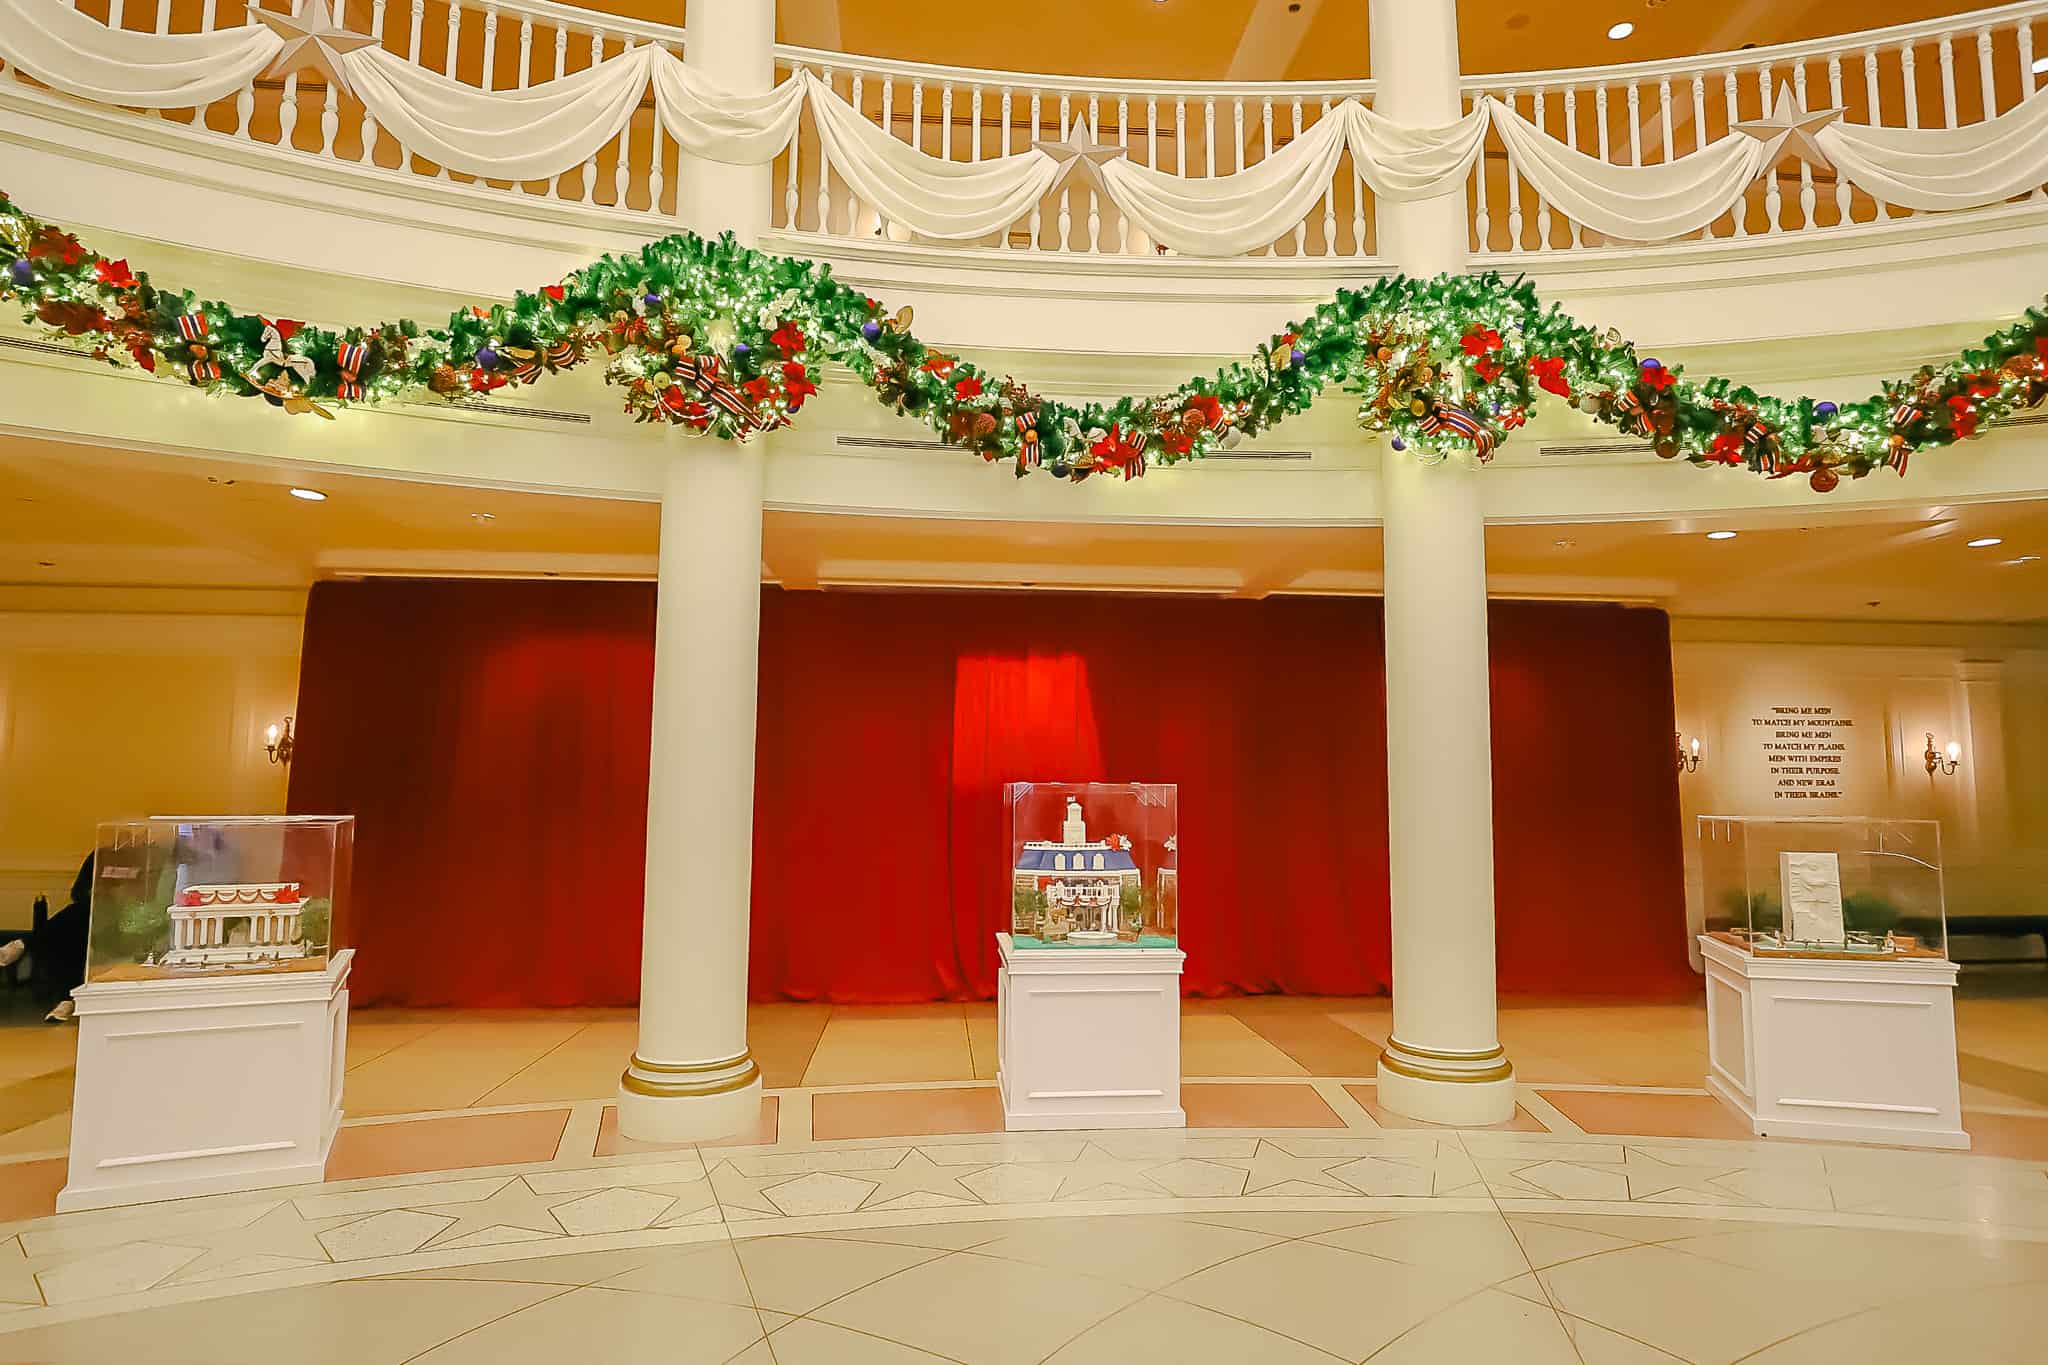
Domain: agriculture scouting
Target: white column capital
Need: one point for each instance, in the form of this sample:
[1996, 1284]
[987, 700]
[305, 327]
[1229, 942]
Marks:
[1415, 81]
[733, 42]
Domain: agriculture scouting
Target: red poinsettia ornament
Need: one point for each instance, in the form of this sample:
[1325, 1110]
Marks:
[1209, 406]
[788, 339]
[1480, 341]
[796, 382]
[1962, 416]
[114, 274]
[1548, 371]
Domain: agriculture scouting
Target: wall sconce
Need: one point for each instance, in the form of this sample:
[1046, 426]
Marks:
[1936, 761]
[278, 743]
[1688, 757]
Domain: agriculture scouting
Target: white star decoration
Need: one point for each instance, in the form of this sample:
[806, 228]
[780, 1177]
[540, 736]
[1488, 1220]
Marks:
[1789, 126]
[311, 42]
[1079, 148]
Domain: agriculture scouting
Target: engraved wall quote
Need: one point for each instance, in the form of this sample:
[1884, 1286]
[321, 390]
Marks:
[1804, 749]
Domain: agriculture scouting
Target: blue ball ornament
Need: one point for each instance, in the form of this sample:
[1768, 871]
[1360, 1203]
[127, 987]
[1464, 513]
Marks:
[1060, 469]
[739, 348]
[1825, 410]
[1296, 356]
[23, 272]
[652, 300]
[871, 330]
[1653, 364]
[1399, 444]
[486, 358]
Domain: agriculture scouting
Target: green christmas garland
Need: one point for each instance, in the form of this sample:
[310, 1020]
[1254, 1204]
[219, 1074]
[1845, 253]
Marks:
[722, 340]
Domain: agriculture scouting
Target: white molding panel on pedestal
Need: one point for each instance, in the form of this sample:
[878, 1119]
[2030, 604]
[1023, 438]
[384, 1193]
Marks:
[1821, 1048]
[1089, 1037]
[206, 1085]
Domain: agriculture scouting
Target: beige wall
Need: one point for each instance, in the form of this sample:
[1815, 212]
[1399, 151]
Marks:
[1853, 706]
[118, 702]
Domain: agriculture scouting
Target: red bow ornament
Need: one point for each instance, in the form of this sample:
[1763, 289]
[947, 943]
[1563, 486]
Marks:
[1116, 451]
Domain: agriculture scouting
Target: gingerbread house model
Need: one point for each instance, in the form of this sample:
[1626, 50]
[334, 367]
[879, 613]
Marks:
[1082, 880]
[225, 925]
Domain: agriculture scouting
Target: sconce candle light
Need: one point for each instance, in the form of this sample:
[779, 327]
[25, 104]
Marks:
[278, 742]
[1937, 762]
[1688, 758]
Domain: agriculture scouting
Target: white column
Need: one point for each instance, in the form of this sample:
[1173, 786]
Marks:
[1443, 1061]
[733, 43]
[691, 1078]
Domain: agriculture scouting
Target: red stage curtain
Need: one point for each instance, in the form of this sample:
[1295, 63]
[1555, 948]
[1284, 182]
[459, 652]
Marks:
[491, 741]
[1589, 872]
[499, 773]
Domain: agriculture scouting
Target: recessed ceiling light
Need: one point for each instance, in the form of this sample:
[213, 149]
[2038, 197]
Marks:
[1986, 542]
[1720, 535]
[2027, 559]
[309, 494]
[1621, 30]
[481, 517]
[1564, 544]
[2040, 65]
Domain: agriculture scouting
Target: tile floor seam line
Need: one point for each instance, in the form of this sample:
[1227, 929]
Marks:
[1521, 1250]
[942, 1256]
[931, 1351]
[576, 1032]
[1544, 1285]
[1581, 1317]
[747, 1282]
[1144, 1295]
[488, 1322]
[1226, 1313]
[1857, 1312]
[1432, 1317]
[1281, 1239]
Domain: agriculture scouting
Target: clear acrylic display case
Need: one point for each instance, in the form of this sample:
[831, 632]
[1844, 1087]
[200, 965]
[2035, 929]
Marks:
[1824, 886]
[1093, 864]
[194, 896]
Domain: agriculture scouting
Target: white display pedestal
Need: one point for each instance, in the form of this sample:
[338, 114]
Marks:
[1089, 1037]
[1822, 1048]
[206, 1085]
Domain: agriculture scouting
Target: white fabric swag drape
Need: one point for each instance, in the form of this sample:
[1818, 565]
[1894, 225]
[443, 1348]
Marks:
[1632, 203]
[933, 197]
[1945, 168]
[526, 134]
[81, 56]
[1229, 215]
[539, 132]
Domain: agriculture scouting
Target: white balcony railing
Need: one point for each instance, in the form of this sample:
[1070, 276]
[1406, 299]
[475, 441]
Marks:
[1190, 129]
[1943, 73]
[1939, 74]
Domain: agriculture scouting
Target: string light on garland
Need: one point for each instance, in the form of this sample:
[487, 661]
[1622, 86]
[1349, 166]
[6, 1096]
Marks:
[724, 341]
